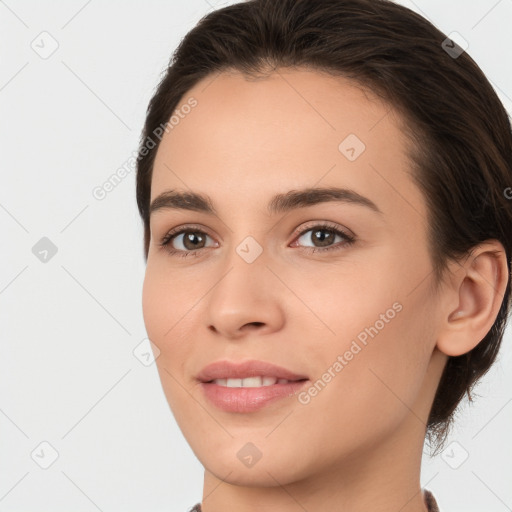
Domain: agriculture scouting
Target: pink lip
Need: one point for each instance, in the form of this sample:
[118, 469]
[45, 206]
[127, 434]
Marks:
[230, 370]
[249, 399]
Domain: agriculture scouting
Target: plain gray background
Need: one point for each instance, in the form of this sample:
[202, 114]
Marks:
[76, 392]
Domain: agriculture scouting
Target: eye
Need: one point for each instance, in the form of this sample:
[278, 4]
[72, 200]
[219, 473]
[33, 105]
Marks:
[324, 235]
[189, 240]
[185, 241]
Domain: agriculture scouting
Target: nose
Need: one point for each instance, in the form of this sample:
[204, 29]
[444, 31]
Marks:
[248, 298]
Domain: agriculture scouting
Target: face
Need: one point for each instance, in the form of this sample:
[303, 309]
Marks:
[333, 287]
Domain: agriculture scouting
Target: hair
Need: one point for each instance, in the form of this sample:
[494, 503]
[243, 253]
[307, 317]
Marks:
[460, 133]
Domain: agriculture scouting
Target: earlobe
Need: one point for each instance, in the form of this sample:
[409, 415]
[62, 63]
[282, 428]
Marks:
[479, 290]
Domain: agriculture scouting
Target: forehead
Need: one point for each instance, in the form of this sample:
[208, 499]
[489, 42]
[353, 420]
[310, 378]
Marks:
[292, 128]
[286, 108]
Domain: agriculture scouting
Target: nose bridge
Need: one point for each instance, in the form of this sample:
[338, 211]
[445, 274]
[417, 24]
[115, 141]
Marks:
[245, 292]
[245, 279]
[248, 252]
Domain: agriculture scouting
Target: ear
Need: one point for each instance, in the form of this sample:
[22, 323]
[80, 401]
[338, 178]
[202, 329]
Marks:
[473, 298]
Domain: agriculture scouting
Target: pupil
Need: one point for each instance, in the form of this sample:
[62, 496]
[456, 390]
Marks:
[192, 238]
[324, 240]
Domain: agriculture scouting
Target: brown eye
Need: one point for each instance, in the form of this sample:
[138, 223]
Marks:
[186, 241]
[193, 240]
[189, 241]
[323, 237]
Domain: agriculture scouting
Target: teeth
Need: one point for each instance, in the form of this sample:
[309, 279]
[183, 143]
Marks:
[249, 382]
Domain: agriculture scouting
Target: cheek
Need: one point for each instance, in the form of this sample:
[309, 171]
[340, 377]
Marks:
[165, 317]
[164, 299]
[153, 305]
[166, 321]
[379, 330]
[347, 300]
[370, 395]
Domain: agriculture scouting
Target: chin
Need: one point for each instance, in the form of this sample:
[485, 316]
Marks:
[260, 464]
[263, 474]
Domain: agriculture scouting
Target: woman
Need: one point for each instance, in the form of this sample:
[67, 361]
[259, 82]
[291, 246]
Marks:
[323, 187]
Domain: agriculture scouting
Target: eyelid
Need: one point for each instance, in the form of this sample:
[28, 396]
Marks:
[186, 227]
[323, 224]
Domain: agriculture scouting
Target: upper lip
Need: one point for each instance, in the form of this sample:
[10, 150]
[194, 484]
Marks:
[231, 370]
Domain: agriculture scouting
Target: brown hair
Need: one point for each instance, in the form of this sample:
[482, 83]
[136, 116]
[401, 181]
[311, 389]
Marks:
[461, 140]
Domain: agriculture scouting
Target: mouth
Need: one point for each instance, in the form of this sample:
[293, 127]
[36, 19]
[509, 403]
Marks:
[249, 373]
[245, 399]
[248, 386]
[252, 382]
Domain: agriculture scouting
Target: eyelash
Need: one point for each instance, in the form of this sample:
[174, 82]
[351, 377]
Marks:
[349, 240]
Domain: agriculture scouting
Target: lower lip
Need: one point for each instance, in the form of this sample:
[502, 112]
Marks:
[248, 399]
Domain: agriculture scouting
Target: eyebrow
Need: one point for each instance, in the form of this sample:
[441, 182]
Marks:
[280, 203]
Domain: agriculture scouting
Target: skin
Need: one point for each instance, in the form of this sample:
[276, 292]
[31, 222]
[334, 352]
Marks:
[357, 444]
